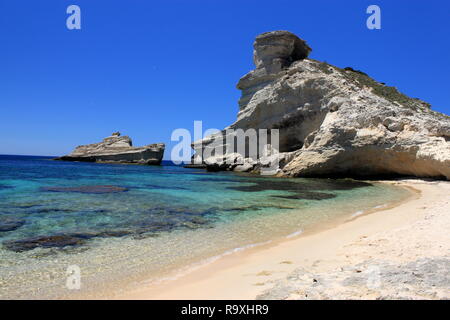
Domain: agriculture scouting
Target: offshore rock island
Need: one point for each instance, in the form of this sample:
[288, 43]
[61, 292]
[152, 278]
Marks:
[332, 121]
[117, 149]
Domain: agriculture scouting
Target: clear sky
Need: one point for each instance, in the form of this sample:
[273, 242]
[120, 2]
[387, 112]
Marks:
[147, 67]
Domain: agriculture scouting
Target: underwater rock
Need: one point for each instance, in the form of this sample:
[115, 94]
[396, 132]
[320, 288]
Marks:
[10, 224]
[58, 241]
[87, 189]
[238, 210]
[217, 178]
[62, 240]
[47, 210]
[25, 206]
[195, 222]
[114, 233]
[296, 186]
[155, 186]
[307, 196]
[301, 191]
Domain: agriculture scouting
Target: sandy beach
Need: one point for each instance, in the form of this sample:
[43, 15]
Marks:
[394, 253]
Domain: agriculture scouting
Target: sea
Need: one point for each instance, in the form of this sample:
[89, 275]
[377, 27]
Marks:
[74, 230]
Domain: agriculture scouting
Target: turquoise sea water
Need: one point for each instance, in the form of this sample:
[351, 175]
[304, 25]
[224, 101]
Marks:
[124, 224]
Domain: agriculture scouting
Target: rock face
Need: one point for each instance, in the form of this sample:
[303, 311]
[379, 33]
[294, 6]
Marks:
[276, 50]
[332, 121]
[117, 149]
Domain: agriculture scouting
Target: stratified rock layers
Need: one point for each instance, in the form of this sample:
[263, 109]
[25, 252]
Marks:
[333, 121]
[117, 149]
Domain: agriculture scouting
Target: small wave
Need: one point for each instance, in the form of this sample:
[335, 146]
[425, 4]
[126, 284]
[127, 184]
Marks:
[294, 234]
[192, 267]
[358, 213]
[361, 212]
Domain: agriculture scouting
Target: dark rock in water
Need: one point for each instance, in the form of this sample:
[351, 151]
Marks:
[154, 226]
[56, 241]
[61, 241]
[86, 189]
[307, 196]
[10, 224]
[140, 229]
[167, 222]
[46, 210]
[216, 167]
[100, 234]
[155, 186]
[195, 166]
[256, 208]
[99, 211]
[175, 211]
[301, 191]
[195, 223]
[262, 184]
[147, 224]
[25, 206]
[114, 233]
[84, 235]
[217, 178]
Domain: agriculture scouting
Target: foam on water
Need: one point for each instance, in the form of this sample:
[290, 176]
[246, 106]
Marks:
[294, 234]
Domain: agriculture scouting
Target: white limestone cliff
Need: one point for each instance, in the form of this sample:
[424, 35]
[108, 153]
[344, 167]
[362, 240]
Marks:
[333, 121]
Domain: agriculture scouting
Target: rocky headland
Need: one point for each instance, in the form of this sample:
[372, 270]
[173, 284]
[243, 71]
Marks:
[117, 149]
[331, 121]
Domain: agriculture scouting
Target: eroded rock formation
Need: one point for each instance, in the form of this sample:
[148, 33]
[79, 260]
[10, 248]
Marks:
[332, 121]
[117, 149]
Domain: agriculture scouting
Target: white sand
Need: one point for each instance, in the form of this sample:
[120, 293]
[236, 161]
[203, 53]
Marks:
[394, 253]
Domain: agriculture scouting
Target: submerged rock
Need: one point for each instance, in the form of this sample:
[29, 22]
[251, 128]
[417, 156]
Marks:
[238, 210]
[117, 149]
[47, 210]
[86, 189]
[141, 226]
[162, 187]
[58, 241]
[297, 186]
[308, 196]
[331, 121]
[10, 224]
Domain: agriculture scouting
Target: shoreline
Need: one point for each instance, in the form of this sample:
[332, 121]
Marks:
[258, 271]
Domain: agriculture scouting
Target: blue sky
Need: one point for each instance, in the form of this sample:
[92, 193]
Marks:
[146, 67]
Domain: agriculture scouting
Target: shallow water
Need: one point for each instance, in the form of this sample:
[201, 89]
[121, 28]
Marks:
[124, 224]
